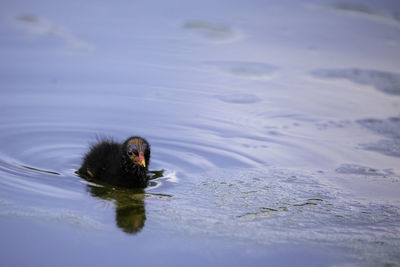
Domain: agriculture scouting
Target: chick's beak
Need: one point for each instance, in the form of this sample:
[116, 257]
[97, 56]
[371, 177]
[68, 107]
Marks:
[141, 160]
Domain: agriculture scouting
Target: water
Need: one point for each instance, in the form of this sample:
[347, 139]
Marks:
[277, 125]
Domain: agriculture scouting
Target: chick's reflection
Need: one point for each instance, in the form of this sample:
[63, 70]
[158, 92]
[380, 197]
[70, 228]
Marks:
[129, 204]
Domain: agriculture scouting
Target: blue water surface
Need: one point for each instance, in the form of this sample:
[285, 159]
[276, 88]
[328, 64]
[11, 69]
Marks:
[275, 127]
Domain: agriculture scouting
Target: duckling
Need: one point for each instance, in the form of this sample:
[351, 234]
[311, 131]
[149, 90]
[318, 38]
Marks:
[118, 164]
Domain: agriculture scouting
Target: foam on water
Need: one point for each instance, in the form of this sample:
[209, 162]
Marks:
[283, 206]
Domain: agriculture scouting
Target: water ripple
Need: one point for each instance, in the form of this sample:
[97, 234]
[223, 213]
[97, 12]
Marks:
[387, 82]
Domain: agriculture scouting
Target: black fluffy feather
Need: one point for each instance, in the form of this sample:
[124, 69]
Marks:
[110, 162]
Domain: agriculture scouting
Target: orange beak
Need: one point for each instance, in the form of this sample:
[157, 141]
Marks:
[141, 160]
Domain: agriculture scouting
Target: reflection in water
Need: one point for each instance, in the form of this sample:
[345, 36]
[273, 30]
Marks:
[129, 204]
[130, 213]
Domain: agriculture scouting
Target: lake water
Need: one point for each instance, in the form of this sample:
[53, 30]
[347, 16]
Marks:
[276, 125]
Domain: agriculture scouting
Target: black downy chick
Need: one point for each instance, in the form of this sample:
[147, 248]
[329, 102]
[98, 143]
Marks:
[118, 164]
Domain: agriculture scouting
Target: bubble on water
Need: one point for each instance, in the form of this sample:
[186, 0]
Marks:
[386, 82]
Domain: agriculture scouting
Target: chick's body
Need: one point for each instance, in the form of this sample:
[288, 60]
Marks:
[118, 164]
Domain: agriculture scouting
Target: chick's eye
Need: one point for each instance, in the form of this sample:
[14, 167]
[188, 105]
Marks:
[132, 150]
